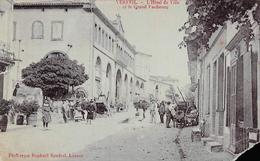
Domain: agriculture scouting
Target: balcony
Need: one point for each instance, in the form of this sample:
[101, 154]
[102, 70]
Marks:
[6, 56]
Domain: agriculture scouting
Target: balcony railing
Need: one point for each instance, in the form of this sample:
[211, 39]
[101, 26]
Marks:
[6, 56]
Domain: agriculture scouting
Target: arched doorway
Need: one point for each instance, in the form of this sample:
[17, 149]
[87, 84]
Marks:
[80, 92]
[98, 73]
[109, 81]
[126, 88]
[131, 89]
[137, 88]
[56, 54]
[118, 85]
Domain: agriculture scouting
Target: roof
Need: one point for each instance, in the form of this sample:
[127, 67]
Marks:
[50, 2]
[75, 3]
[140, 53]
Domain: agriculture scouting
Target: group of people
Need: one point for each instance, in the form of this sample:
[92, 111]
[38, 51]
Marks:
[164, 108]
[71, 110]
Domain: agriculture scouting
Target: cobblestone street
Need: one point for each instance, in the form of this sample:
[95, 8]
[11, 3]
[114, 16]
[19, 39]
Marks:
[151, 143]
[119, 138]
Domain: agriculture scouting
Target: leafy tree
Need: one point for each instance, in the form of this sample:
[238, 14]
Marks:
[171, 94]
[205, 16]
[54, 75]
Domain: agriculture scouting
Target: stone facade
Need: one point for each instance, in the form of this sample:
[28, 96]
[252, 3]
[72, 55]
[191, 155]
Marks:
[81, 31]
[159, 87]
[6, 49]
[228, 85]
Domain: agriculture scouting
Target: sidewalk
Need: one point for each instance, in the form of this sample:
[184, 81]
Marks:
[195, 151]
[61, 138]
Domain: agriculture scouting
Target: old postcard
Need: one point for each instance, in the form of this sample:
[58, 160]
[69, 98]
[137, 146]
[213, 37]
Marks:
[129, 80]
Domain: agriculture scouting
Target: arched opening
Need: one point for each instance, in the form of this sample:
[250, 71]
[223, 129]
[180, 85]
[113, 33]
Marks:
[142, 85]
[131, 89]
[98, 73]
[81, 93]
[118, 85]
[56, 54]
[126, 88]
[137, 88]
[109, 81]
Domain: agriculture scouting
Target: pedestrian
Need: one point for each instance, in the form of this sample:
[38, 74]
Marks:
[64, 111]
[153, 106]
[15, 89]
[46, 116]
[90, 112]
[173, 112]
[169, 116]
[161, 111]
[71, 109]
[78, 111]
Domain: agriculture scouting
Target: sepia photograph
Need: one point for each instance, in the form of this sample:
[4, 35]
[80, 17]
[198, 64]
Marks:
[129, 80]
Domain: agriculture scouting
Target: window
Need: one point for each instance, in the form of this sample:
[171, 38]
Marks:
[14, 31]
[99, 35]
[95, 33]
[103, 39]
[57, 30]
[110, 43]
[37, 30]
[106, 42]
[113, 45]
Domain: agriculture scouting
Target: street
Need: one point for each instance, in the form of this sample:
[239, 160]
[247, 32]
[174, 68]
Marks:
[117, 138]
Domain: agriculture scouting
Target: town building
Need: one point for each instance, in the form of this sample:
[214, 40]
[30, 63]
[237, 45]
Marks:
[227, 86]
[160, 86]
[80, 30]
[142, 70]
[7, 55]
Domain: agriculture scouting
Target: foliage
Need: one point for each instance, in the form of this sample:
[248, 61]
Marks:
[5, 106]
[205, 16]
[54, 75]
[27, 107]
[170, 94]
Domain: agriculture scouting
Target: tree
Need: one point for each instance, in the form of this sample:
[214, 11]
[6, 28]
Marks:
[54, 75]
[171, 94]
[205, 16]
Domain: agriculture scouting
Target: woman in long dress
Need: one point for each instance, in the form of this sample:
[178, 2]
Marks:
[91, 110]
[46, 116]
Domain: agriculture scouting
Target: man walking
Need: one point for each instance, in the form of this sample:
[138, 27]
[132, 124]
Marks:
[169, 115]
[161, 111]
[152, 111]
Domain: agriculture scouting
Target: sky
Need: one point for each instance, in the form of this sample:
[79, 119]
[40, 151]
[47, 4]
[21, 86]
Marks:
[154, 32]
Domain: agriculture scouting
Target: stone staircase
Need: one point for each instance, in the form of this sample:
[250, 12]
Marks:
[212, 145]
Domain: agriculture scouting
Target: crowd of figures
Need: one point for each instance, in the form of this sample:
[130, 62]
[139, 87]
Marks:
[71, 110]
[168, 112]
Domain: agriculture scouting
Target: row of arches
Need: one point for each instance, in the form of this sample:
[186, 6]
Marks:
[124, 85]
[115, 86]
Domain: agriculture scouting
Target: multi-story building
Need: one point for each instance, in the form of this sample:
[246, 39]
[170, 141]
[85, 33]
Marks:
[80, 30]
[160, 86]
[6, 50]
[142, 66]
